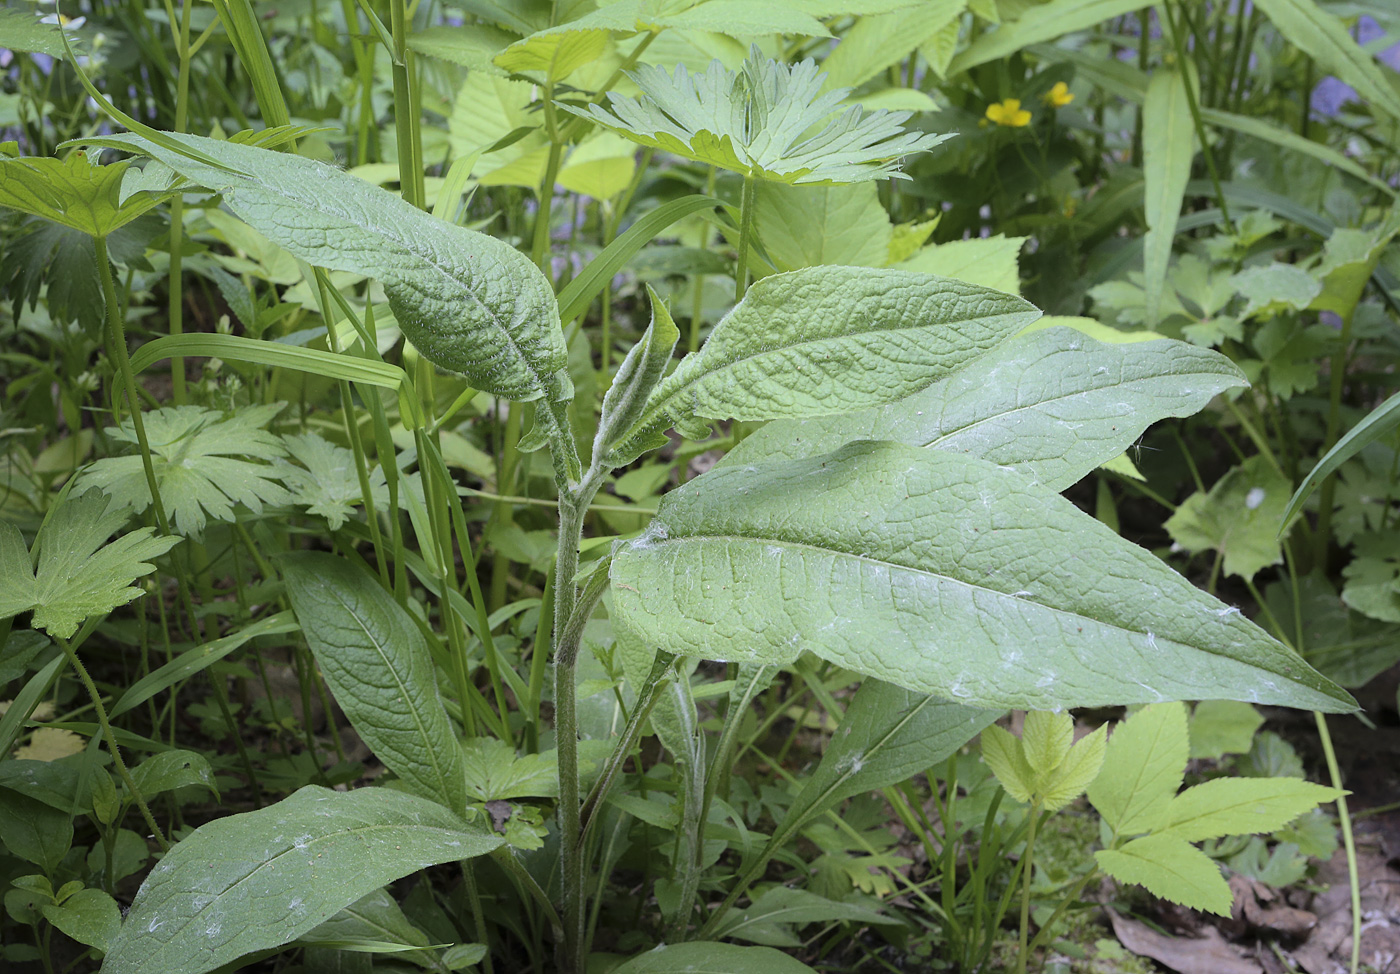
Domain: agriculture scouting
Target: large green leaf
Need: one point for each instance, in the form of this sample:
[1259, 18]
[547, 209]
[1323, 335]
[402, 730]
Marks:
[78, 574]
[378, 666]
[946, 575]
[260, 879]
[23, 29]
[876, 42]
[1238, 518]
[804, 226]
[1054, 403]
[1144, 766]
[1168, 145]
[72, 192]
[1324, 38]
[825, 340]
[467, 301]
[705, 957]
[1041, 23]
[992, 262]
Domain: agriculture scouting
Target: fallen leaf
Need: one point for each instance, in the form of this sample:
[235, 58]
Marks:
[1208, 954]
[50, 744]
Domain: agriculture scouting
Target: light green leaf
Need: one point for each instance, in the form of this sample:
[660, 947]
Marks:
[78, 575]
[1078, 770]
[23, 30]
[1170, 868]
[760, 922]
[707, 957]
[1045, 740]
[555, 53]
[1168, 145]
[34, 831]
[1041, 22]
[1144, 766]
[1324, 38]
[1348, 261]
[1275, 287]
[825, 340]
[1220, 727]
[1071, 404]
[1238, 517]
[71, 191]
[469, 45]
[203, 461]
[757, 122]
[377, 664]
[467, 301]
[1242, 806]
[944, 574]
[1378, 423]
[744, 18]
[805, 226]
[89, 916]
[991, 261]
[876, 42]
[327, 484]
[493, 772]
[260, 879]
[1006, 757]
[1373, 576]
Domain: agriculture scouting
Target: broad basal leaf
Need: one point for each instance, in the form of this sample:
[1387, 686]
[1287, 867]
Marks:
[1143, 768]
[469, 302]
[760, 122]
[378, 666]
[945, 575]
[826, 340]
[260, 879]
[205, 463]
[78, 574]
[1054, 404]
[1171, 868]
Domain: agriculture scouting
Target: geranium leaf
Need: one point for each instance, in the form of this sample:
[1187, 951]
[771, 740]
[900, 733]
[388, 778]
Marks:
[77, 574]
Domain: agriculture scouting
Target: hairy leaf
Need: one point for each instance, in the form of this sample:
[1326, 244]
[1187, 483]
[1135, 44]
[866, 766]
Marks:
[1054, 404]
[826, 340]
[78, 575]
[467, 301]
[260, 879]
[944, 574]
[379, 668]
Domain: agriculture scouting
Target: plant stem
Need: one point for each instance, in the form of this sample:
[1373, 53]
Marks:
[741, 266]
[111, 740]
[1344, 817]
[1334, 429]
[1024, 953]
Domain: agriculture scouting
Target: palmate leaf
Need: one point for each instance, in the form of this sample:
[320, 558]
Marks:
[78, 575]
[327, 483]
[756, 122]
[943, 574]
[71, 191]
[204, 464]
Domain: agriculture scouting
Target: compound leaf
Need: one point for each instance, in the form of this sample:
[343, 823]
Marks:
[1172, 868]
[1144, 766]
[1242, 806]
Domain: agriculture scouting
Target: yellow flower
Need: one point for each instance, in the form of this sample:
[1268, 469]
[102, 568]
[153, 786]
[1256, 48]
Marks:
[1058, 96]
[1009, 112]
